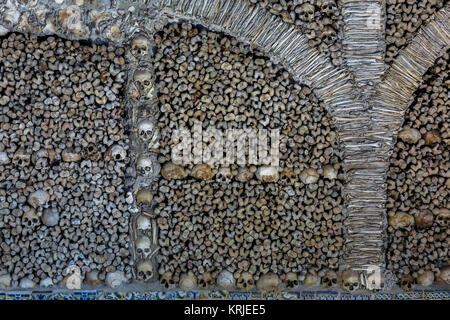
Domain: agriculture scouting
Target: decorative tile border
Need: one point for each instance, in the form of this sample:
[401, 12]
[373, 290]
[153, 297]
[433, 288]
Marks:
[225, 295]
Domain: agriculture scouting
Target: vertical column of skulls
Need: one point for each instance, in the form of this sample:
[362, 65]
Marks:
[142, 104]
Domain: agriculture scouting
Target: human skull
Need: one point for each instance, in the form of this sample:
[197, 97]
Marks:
[443, 217]
[145, 165]
[117, 152]
[144, 270]
[329, 172]
[22, 158]
[140, 46]
[327, 6]
[46, 283]
[91, 152]
[146, 129]
[72, 269]
[268, 282]
[167, 280]
[224, 175]
[188, 281]
[406, 282]
[72, 280]
[144, 82]
[50, 217]
[267, 174]
[245, 281]
[373, 278]
[409, 135]
[202, 172]
[307, 12]
[143, 246]
[311, 280]
[39, 158]
[288, 177]
[350, 280]
[172, 171]
[206, 280]
[144, 196]
[328, 35]
[115, 279]
[423, 218]
[144, 224]
[92, 278]
[244, 174]
[444, 275]
[309, 176]
[401, 220]
[225, 280]
[38, 198]
[329, 279]
[425, 278]
[291, 280]
[30, 218]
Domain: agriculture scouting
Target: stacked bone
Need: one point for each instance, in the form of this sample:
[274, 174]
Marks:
[63, 158]
[232, 223]
[418, 186]
[320, 20]
[404, 19]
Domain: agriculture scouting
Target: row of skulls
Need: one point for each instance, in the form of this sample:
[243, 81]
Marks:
[350, 280]
[140, 94]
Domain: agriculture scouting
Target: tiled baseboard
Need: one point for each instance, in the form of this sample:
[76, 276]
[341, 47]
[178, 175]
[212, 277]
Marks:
[224, 295]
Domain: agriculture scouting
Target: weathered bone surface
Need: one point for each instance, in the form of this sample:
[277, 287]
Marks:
[367, 110]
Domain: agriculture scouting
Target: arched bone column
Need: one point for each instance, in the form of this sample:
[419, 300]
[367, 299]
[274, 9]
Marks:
[363, 40]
